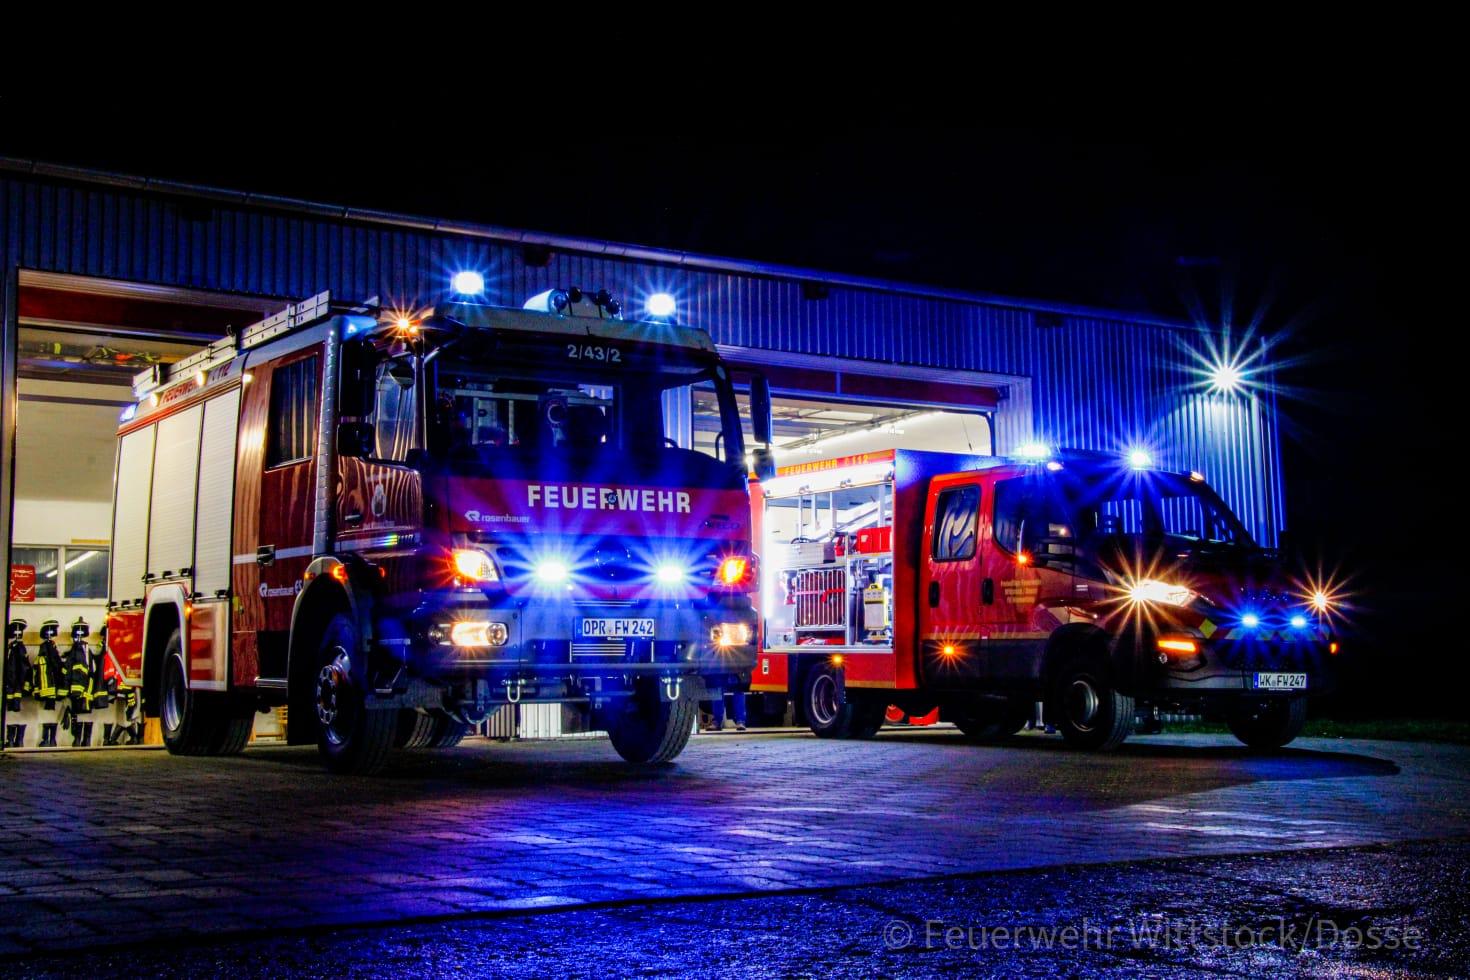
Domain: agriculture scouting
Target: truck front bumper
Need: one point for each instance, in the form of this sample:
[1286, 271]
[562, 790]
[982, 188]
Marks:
[1253, 666]
[544, 638]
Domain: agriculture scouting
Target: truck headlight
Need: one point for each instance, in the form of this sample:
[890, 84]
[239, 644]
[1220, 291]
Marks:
[477, 633]
[475, 565]
[730, 635]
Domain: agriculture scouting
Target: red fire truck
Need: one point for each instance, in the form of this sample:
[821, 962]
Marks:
[980, 586]
[395, 522]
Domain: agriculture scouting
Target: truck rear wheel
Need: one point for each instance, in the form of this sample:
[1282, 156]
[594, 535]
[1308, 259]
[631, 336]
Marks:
[415, 729]
[447, 732]
[649, 729]
[189, 727]
[352, 737]
[1088, 711]
[1269, 724]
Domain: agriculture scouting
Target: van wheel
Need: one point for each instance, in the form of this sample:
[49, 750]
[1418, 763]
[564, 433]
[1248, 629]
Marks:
[1088, 711]
[415, 729]
[829, 713]
[1268, 724]
[651, 730]
[988, 723]
[189, 728]
[353, 738]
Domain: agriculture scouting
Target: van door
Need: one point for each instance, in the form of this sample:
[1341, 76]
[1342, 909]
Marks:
[275, 493]
[950, 631]
[1027, 567]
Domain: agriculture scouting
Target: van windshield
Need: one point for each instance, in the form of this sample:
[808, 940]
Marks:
[1167, 506]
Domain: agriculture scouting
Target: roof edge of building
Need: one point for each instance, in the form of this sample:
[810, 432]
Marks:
[589, 246]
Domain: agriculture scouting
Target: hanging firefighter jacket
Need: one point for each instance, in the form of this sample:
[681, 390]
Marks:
[18, 682]
[51, 681]
[80, 686]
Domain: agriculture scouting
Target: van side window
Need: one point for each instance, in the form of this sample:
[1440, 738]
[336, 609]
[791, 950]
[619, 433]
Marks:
[955, 517]
[293, 416]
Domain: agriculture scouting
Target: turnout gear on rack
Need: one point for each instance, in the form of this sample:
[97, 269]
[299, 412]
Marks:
[17, 665]
[82, 689]
[50, 682]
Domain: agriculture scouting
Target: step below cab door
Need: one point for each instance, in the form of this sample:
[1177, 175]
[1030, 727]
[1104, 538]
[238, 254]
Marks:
[950, 631]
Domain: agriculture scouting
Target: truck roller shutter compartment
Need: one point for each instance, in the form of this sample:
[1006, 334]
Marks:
[212, 545]
[130, 514]
[175, 468]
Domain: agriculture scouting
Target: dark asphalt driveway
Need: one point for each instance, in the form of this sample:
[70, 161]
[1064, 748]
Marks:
[106, 848]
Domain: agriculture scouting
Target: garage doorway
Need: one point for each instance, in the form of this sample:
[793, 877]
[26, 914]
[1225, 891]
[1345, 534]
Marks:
[78, 343]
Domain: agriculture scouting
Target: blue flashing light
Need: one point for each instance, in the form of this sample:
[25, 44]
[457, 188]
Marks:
[552, 571]
[1298, 621]
[671, 573]
[1140, 459]
[128, 413]
[661, 305]
[1250, 621]
[1034, 450]
[468, 283]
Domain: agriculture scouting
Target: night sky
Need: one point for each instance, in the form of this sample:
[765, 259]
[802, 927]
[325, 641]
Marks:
[1329, 225]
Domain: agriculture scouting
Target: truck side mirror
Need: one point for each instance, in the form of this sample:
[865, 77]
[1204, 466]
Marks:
[760, 409]
[356, 439]
[763, 462]
[357, 395]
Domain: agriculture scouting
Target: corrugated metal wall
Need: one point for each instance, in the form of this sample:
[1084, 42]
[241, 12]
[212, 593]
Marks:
[1097, 383]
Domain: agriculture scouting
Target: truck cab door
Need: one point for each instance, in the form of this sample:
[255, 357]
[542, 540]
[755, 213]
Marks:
[950, 630]
[275, 509]
[1027, 562]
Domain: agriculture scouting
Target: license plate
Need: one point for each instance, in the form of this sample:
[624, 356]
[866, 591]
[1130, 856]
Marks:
[617, 627]
[1280, 682]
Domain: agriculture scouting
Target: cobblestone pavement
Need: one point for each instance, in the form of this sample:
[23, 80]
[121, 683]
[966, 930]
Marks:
[106, 848]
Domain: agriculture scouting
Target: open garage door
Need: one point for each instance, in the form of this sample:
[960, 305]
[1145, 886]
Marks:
[820, 412]
[77, 345]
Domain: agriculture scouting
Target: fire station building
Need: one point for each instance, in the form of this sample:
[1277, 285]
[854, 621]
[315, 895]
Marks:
[103, 275]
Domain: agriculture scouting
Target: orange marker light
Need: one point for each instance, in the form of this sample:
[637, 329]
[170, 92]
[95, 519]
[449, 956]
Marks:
[1023, 559]
[948, 650]
[1332, 648]
[836, 660]
[732, 570]
[339, 572]
[1179, 646]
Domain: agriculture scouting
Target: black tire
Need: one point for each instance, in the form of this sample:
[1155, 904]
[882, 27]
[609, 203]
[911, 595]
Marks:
[352, 738]
[829, 712]
[987, 722]
[868, 717]
[235, 727]
[1268, 725]
[650, 730]
[415, 729]
[189, 727]
[1085, 707]
[447, 732]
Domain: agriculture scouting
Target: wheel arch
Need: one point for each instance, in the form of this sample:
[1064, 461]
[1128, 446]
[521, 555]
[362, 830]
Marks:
[166, 611]
[1072, 640]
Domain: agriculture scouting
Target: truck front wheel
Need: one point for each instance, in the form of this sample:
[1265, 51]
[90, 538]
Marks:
[1269, 724]
[650, 730]
[1088, 711]
[352, 737]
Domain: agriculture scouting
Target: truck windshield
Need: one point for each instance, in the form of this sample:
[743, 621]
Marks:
[479, 410]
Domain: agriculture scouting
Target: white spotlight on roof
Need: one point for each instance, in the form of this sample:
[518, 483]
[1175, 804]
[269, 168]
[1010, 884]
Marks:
[468, 283]
[1225, 377]
[660, 305]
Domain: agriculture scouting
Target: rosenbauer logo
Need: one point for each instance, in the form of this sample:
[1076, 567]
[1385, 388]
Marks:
[558, 496]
